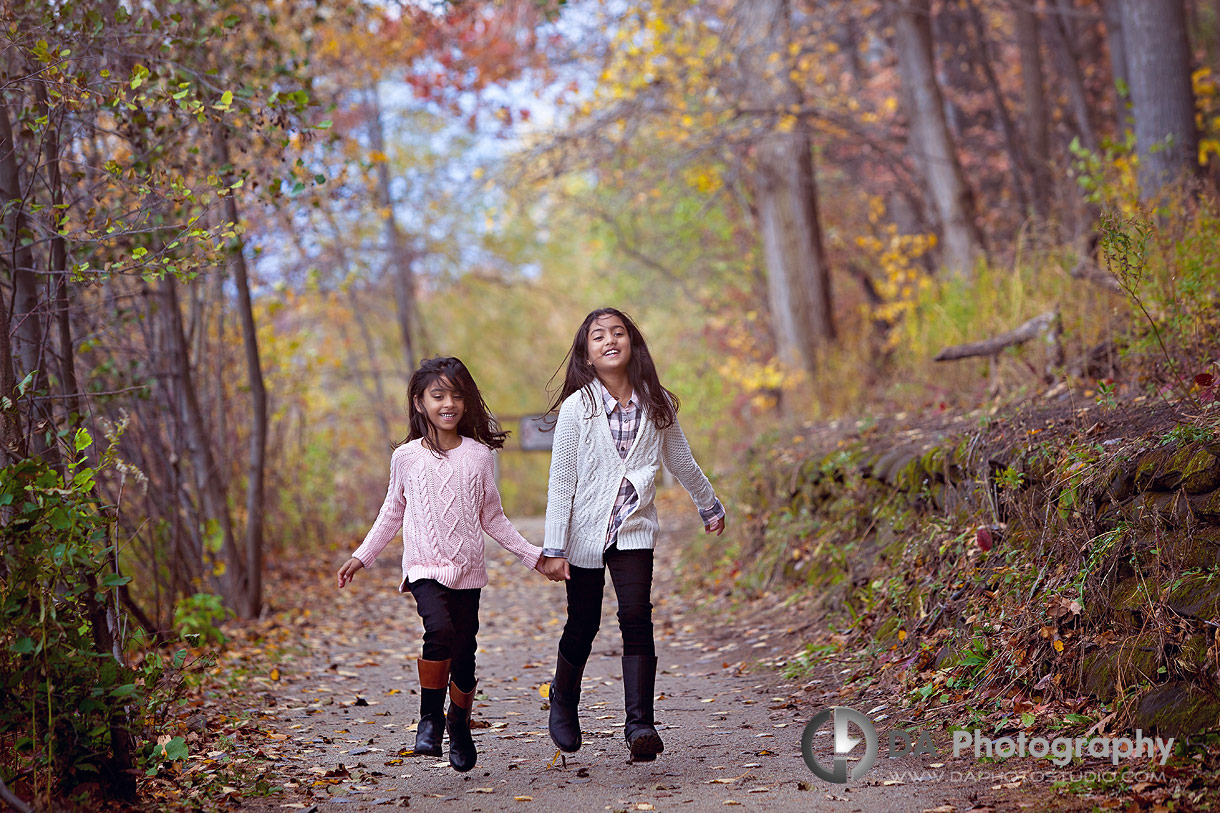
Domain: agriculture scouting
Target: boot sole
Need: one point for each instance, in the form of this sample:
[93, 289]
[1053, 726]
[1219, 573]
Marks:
[645, 747]
[564, 748]
[429, 752]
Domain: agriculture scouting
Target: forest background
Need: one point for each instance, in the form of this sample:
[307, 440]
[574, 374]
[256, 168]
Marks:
[231, 230]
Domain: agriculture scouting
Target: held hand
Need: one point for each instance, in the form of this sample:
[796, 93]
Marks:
[348, 571]
[554, 568]
[716, 526]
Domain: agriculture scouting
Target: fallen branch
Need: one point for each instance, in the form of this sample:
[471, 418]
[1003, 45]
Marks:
[13, 800]
[1047, 323]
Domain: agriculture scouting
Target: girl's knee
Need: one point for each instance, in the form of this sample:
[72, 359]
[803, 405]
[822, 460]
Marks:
[631, 615]
[440, 635]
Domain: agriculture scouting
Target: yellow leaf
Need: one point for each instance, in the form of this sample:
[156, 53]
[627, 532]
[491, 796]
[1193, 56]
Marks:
[1058, 646]
[275, 673]
[902, 635]
[545, 690]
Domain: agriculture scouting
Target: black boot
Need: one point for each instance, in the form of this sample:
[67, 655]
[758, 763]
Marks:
[433, 678]
[565, 696]
[462, 753]
[639, 681]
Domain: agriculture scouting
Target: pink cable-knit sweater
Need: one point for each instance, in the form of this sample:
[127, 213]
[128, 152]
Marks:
[453, 500]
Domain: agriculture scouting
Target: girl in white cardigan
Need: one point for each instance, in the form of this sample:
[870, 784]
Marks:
[616, 424]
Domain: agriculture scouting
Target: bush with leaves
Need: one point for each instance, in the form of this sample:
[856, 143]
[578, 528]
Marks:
[69, 703]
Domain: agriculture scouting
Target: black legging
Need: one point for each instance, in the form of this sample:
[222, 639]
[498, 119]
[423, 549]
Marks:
[631, 572]
[451, 622]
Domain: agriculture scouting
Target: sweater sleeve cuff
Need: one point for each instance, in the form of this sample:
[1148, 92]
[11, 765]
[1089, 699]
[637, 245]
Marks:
[554, 553]
[710, 515]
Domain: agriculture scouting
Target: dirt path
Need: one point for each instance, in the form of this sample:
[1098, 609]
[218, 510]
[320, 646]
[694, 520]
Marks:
[732, 732]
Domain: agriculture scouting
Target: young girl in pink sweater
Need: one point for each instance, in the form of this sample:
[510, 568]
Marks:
[442, 497]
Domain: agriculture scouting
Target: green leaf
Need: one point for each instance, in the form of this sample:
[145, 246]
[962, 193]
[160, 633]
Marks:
[126, 690]
[59, 519]
[324, 125]
[23, 646]
[115, 580]
[226, 101]
[83, 439]
[176, 749]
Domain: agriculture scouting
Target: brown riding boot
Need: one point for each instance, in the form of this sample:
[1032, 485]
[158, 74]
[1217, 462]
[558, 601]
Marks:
[433, 678]
[462, 753]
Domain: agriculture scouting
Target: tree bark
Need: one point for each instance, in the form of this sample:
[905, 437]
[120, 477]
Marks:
[1069, 67]
[25, 325]
[1036, 124]
[1162, 98]
[208, 483]
[252, 598]
[59, 265]
[785, 191]
[931, 144]
[1117, 45]
[401, 259]
[1012, 144]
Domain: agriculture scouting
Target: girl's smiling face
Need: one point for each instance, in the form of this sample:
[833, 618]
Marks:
[443, 405]
[609, 345]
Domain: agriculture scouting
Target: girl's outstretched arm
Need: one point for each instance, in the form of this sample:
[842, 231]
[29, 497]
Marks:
[561, 489]
[496, 524]
[389, 518]
[677, 457]
[348, 571]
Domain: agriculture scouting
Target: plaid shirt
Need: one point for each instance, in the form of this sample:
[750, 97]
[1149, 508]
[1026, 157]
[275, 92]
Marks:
[624, 424]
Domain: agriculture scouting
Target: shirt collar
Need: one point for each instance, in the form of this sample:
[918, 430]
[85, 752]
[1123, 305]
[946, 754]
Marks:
[609, 401]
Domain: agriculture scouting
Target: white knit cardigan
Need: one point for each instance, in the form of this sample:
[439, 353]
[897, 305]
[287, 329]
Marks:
[586, 471]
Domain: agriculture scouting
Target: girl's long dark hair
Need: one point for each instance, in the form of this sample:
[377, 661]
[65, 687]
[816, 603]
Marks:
[660, 405]
[477, 421]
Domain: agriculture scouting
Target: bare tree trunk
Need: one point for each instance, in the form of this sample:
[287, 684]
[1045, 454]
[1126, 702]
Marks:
[1162, 98]
[785, 191]
[25, 328]
[1117, 44]
[932, 147]
[1037, 131]
[401, 258]
[1012, 145]
[12, 439]
[1069, 68]
[208, 483]
[255, 499]
[370, 349]
[59, 267]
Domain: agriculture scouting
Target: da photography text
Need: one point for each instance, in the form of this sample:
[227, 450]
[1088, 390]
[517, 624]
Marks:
[1058, 750]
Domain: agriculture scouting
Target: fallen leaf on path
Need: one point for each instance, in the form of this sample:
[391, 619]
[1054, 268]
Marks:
[523, 798]
[731, 802]
[482, 790]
